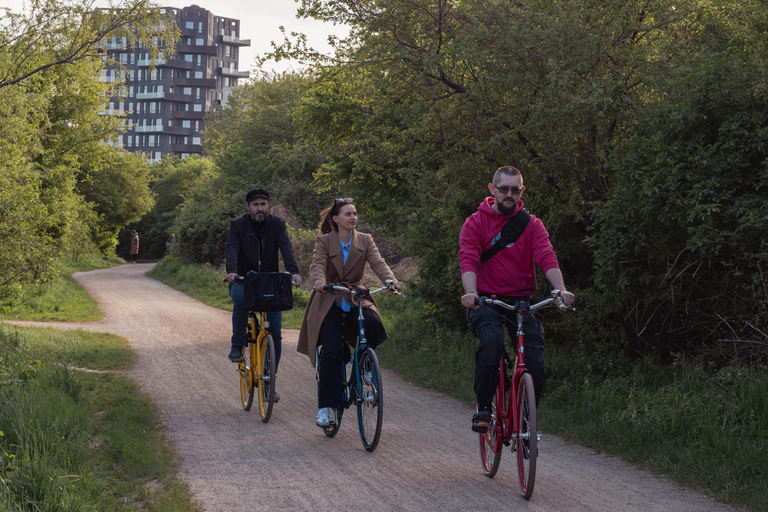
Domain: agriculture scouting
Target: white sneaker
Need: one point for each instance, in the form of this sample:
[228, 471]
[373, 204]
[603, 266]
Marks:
[323, 418]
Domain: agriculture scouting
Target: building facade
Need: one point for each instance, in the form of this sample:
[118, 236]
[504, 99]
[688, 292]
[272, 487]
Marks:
[166, 106]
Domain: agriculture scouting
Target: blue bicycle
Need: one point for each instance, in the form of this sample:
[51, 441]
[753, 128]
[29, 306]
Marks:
[363, 387]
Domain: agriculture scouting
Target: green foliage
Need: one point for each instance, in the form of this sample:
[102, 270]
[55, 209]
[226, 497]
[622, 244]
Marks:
[62, 190]
[686, 220]
[172, 180]
[61, 298]
[687, 420]
[72, 440]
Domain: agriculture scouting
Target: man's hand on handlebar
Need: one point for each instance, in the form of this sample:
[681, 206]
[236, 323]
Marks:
[296, 279]
[469, 300]
[230, 278]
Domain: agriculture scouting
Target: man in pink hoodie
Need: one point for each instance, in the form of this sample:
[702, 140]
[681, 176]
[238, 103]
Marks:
[509, 274]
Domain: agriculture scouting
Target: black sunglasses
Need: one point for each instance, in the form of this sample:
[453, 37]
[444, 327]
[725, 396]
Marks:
[506, 190]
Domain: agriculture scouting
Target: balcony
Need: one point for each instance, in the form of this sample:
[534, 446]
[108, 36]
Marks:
[232, 40]
[186, 148]
[148, 129]
[195, 82]
[177, 130]
[188, 114]
[176, 63]
[232, 72]
[150, 95]
[188, 48]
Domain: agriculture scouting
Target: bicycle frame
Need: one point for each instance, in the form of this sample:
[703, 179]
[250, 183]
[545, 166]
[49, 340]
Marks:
[366, 395]
[509, 424]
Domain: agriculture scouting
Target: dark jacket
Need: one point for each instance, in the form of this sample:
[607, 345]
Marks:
[245, 253]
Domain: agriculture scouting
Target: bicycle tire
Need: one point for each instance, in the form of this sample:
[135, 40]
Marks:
[244, 369]
[370, 399]
[267, 378]
[527, 438]
[490, 445]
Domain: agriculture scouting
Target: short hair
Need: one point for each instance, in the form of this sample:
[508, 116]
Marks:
[507, 170]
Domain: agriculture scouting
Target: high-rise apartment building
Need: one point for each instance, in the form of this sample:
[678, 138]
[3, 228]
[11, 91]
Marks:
[165, 106]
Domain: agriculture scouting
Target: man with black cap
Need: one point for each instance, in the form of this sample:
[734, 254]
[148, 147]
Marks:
[252, 244]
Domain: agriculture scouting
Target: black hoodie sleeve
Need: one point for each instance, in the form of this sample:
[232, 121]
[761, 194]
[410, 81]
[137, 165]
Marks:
[286, 249]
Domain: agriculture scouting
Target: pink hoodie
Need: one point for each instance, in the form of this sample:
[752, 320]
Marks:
[511, 271]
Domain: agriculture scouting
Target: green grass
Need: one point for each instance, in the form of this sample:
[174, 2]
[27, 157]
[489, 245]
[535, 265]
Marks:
[60, 300]
[705, 428]
[205, 283]
[73, 440]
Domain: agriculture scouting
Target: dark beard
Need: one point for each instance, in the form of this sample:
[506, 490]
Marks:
[505, 210]
[254, 219]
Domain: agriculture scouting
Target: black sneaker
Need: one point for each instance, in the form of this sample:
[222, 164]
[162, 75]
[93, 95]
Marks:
[236, 354]
[481, 420]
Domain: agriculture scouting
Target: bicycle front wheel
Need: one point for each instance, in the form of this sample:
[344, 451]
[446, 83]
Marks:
[244, 368]
[490, 445]
[370, 401]
[267, 378]
[527, 437]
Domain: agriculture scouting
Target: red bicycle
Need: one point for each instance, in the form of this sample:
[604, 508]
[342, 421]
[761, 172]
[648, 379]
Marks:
[514, 422]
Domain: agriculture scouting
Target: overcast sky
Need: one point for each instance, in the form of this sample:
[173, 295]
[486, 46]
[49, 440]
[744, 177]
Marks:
[260, 22]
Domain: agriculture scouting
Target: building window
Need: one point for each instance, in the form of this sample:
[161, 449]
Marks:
[190, 24]
[197, 107]
[199, 41]
[188, 90]
[198, 74]
[186, 123]
[196, 141]
[188, 57]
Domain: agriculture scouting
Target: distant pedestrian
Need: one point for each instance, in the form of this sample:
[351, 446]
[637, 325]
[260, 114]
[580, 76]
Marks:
[171, 239]
[134, 252]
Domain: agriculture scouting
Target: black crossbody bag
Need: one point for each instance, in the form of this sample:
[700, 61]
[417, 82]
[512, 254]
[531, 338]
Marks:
[511, 231]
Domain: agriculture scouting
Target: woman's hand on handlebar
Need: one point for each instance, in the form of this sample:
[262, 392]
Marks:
[319, 287]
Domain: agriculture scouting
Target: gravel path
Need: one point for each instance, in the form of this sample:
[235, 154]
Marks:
[427, 459]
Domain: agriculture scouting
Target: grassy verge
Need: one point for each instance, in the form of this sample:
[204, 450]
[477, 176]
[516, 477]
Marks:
[72, 439]
[205, 283]
[61, 300]
[706, 428]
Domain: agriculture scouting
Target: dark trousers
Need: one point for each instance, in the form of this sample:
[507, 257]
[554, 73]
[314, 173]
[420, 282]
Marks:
[488, 323]
[240, 322]
[335, 352]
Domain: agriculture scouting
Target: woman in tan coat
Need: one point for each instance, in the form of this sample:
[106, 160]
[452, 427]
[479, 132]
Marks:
[340, 256]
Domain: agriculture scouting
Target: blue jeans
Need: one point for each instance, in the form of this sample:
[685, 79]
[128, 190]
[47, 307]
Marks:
[240, 322]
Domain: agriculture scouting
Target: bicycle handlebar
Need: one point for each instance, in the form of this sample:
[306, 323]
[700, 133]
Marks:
[555, 301]
[362, 292]
[241, 279]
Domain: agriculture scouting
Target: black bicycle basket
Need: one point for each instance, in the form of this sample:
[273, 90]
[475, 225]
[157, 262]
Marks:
[268, 291]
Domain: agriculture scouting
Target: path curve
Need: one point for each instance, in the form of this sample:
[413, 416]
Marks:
[427, 459]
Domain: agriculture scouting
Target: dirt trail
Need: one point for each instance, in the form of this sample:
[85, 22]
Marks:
[427, 459]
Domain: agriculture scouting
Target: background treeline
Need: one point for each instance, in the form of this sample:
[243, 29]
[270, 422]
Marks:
[640, 128]
[64, 193]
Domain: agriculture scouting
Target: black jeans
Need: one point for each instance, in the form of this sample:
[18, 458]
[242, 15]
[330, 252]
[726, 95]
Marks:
[335, 353]
[487, 323]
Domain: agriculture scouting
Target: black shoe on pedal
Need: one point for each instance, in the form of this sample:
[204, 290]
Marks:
[481, 420]
[236, 354]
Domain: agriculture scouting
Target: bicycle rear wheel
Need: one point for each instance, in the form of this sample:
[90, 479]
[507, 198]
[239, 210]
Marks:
[490, 445]
[527, 440]
[267, 378]
[370, 400]
[244, 369]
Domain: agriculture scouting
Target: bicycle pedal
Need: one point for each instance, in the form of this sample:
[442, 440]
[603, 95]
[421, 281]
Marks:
[480, 426]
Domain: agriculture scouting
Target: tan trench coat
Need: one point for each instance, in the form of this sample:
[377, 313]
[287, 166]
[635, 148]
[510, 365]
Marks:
[328, 268]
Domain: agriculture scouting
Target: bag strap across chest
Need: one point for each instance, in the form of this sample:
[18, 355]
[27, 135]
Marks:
[511, 231]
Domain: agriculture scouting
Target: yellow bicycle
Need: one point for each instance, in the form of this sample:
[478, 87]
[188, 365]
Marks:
[257, 369]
